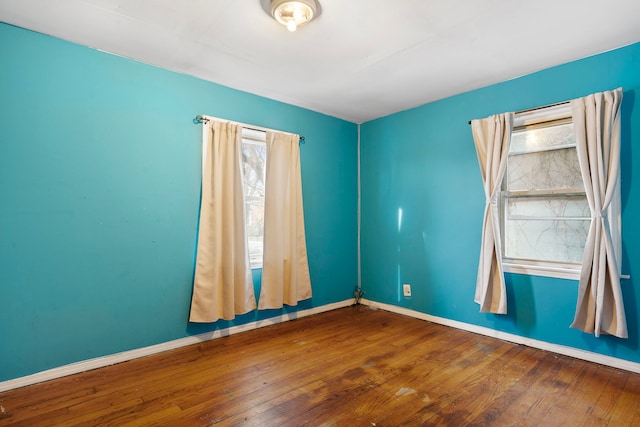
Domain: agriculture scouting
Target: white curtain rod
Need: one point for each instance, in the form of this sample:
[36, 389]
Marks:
[202, 118]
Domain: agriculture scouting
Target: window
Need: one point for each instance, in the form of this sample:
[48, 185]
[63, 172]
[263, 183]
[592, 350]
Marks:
[254, 155]
[545, 216]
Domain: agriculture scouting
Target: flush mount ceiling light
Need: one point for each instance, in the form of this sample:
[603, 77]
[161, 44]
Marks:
[293, 13]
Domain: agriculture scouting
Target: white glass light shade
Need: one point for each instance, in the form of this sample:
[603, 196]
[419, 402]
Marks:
[293, 13]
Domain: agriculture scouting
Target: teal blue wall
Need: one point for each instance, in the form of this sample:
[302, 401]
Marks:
[99, 188]
[423, 161]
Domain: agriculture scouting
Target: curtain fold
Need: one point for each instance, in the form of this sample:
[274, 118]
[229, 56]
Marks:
[285, 271]
[492, 136]
[223, 286]
[596, 120]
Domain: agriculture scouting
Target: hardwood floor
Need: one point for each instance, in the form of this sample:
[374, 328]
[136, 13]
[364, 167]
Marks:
[348, 367]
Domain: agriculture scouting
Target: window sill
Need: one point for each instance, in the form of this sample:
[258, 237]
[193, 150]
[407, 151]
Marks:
[559, 272]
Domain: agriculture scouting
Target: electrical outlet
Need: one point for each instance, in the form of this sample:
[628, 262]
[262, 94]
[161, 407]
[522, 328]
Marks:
[406, 289]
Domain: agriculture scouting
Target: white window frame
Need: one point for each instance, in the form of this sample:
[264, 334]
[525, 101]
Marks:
[562, 270]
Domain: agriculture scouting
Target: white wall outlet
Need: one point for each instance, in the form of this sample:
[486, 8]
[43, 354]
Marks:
[406, 289]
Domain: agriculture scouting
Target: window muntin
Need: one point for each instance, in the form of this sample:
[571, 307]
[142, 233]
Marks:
[254, 156]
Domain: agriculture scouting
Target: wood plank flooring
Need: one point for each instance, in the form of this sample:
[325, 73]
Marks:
[349, 367]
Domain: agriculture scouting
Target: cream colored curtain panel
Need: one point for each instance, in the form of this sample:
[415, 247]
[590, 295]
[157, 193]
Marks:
[223, 286]
[492, 136]
[285, 271]
[596, 120]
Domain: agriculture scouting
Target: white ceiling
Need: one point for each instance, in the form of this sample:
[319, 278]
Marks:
[361, 59]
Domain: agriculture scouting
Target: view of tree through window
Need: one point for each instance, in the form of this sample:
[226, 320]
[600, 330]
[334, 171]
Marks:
[546, 216]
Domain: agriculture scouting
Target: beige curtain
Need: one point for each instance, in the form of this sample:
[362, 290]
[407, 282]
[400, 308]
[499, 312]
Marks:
[492, 136]
[285, 271]
[596, 120]
[223, 286]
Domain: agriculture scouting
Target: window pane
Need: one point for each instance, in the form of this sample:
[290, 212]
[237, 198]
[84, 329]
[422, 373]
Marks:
[255, 227]
[547, 207]
[544, 170]
[534, 139]
[546, 227]
[254, 156]
[546, 240]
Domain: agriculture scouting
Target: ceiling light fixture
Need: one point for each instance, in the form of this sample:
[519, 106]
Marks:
[292, 13]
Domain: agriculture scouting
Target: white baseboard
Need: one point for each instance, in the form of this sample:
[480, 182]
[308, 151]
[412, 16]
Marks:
[100, 362]
[555, 348]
